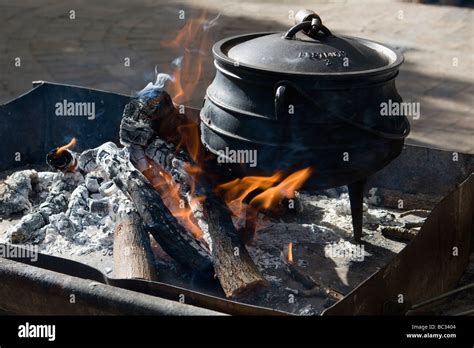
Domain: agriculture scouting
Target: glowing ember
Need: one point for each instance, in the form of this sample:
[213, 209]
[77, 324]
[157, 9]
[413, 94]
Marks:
[63, 148]
[290, 252]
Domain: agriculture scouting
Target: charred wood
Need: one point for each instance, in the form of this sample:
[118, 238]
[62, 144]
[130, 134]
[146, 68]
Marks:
[235, 269]
[164, 227]
[399, 233]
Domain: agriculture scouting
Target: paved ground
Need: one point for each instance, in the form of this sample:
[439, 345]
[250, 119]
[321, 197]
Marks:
[438, 43]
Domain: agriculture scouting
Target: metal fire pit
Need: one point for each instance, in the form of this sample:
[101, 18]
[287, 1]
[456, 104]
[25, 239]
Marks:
[425, 268]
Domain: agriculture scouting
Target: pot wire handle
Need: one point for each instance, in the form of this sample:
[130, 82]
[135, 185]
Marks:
[382, 134]
[311, 25]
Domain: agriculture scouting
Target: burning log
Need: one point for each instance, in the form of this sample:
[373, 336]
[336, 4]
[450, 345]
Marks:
[133, 257]
[250, 195]
[248, 230]
[236, 271]
[134, 130]
[152, 114]
[164, 227]
[234, 267]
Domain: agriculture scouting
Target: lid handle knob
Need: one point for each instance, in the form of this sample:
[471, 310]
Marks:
[308, 22]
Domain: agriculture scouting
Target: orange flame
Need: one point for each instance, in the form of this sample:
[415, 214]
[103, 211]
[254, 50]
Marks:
[275, 189]
[236, 191]
[193, 42]
[190, 138]
[169, 192]
[290, 252]
[285, 189]
[69, 145]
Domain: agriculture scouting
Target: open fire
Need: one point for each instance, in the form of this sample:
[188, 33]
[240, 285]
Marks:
[219, 215]
[260, 177]
[200, 213]
[162, 203]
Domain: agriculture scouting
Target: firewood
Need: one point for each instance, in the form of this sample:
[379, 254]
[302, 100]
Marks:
[133, 132]
[248, 230]
[234, 267]
[236, 271]
[399, 233]
[133, 257]
[164, 227]
[417, 212]
[159, 221]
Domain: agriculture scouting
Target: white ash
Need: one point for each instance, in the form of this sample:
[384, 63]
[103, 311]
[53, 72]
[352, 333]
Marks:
[29, 229]
[93, 182]
[323, 243]
[45, 181]
[66, 214]
[15, 192]
[323, 247]
[51, 191]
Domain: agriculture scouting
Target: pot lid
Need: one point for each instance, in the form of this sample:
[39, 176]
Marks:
[307, 48]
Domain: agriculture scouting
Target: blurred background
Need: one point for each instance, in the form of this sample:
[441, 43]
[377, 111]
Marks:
[119, 45]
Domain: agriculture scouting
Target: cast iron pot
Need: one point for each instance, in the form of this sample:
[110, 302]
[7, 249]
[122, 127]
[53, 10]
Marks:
[305, 98]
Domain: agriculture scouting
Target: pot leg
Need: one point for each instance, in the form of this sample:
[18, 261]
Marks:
[356, 197]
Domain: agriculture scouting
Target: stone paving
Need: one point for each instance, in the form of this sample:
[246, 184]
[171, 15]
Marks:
[90, 50]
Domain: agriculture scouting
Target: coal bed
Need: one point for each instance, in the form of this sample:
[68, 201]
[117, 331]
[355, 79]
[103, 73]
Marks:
[72, 216]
